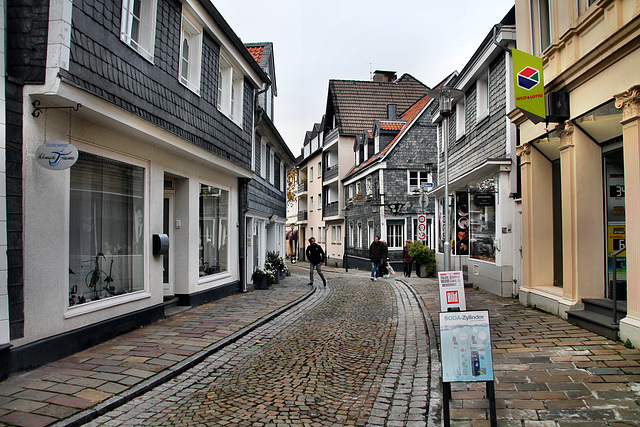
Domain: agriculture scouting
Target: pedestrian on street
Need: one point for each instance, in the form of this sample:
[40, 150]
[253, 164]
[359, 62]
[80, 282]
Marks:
[375, 256]
[407, 262]
[384, 270]
[316, 257]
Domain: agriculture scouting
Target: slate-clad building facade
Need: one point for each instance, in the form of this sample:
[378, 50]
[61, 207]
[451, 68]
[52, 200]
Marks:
[265, 211]
[159, 97]
[385, 192]
[485, 209]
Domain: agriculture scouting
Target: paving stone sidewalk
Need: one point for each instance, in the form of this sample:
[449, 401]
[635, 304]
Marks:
[108, 373]
[548, 372]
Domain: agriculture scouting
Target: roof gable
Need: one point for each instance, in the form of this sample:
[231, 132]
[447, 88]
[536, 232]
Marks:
[357, 104]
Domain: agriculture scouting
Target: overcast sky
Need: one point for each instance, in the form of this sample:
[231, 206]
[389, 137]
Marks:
[315, 41]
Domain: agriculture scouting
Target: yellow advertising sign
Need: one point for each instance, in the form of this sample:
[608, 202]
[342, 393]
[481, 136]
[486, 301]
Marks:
[528, 85]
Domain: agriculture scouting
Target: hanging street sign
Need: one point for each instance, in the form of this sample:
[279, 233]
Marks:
[528, 85]
[56, 155]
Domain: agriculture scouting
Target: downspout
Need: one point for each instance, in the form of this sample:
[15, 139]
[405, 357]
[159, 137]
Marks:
[257, 107]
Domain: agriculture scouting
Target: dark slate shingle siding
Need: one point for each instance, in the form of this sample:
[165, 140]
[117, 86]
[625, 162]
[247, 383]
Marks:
[27, 33]
[263, 197]
[101, 64]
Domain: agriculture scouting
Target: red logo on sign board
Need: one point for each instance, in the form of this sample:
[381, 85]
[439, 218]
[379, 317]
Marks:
[452, 297]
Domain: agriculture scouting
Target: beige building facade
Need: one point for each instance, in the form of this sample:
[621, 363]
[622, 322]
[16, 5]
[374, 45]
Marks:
[580, 174]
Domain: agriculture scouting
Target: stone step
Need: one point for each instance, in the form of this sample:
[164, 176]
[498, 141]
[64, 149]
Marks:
[605, 306]
[594, 322]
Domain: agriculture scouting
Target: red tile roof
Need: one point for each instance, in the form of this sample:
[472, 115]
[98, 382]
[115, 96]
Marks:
[256, 52]
[384, 125]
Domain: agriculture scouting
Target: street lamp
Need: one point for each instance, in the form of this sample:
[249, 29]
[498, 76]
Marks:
[446, 96]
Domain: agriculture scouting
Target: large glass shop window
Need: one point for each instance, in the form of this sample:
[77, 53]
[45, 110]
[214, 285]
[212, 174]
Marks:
[214, 208]
[482, 216]
[106, 229]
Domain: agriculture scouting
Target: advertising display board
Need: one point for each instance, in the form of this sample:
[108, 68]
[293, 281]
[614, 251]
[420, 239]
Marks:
[528, 85]
[451, 285]
[466, 346]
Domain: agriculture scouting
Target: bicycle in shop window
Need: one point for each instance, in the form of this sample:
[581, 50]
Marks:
[98, 282]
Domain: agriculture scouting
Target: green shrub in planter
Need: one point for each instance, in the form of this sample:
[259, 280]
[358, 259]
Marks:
[422, 255]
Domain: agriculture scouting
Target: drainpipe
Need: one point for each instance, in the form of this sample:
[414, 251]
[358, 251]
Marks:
[256, 106]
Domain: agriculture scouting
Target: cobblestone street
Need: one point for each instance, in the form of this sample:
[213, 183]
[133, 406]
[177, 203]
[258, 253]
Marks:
[355, 353]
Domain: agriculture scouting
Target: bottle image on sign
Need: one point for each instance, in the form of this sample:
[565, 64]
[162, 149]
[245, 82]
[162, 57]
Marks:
[456, 356]
[475, 357]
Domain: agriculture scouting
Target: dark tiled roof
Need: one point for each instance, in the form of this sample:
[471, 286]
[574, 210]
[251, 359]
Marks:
[357, 104]
[409, 117]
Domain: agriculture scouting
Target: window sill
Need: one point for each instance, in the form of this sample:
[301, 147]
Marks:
[195, 88]
[93, 306]
[211, 278]
[227, 115]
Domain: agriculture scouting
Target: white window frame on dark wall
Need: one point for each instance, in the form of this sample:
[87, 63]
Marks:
[230, 90]
[461, 117]
[138, 26]
[482, 96]
[190, 53]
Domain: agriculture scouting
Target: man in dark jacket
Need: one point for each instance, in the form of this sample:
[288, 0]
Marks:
[375, 256]
[315, 255]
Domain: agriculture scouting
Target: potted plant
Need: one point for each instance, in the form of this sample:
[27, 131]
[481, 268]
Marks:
[275, 264]
[424, 258]
[260, 279]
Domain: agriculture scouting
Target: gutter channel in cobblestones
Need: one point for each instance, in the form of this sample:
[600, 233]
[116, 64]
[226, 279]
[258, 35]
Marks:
[435, 392]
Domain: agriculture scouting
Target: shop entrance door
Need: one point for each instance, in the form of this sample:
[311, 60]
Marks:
[168, 285]
[616, 225]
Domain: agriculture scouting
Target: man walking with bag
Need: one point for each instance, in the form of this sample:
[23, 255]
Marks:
[315, 255]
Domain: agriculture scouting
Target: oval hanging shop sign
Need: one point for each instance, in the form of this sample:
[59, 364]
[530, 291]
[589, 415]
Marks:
[56, 155]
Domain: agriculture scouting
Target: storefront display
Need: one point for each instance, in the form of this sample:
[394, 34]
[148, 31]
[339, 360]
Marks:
[106, 229]
[214, 207]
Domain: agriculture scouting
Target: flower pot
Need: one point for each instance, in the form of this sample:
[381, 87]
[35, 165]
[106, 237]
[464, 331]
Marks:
[423, 270]
[261, 283]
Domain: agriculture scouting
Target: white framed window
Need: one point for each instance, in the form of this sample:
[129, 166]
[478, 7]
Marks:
[369, 186]
[351, 235]
[213, 230]
[320, 237]
[417, 179]
[359, 235]
[311, 173]
[230, 91]
[311, 203]
[138, 26]
[106, 231]
[190, 53]
[319, 169]
[350, 195]
[395, 234]
[336, 234]
[482, 94]
[460, 118]
[319, 200]
[311, 230]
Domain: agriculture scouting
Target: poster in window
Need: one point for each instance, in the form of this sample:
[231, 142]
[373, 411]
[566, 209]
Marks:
[462, 223]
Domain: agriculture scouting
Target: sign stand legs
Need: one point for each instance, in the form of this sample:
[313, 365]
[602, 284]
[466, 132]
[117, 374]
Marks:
[446, 391]
[491, 395]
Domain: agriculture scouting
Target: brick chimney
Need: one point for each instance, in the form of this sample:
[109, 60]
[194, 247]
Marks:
[384, 76]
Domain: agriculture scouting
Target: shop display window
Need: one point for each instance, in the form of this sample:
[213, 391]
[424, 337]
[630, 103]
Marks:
[214, 233]
[482, 219]
[106, 229]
